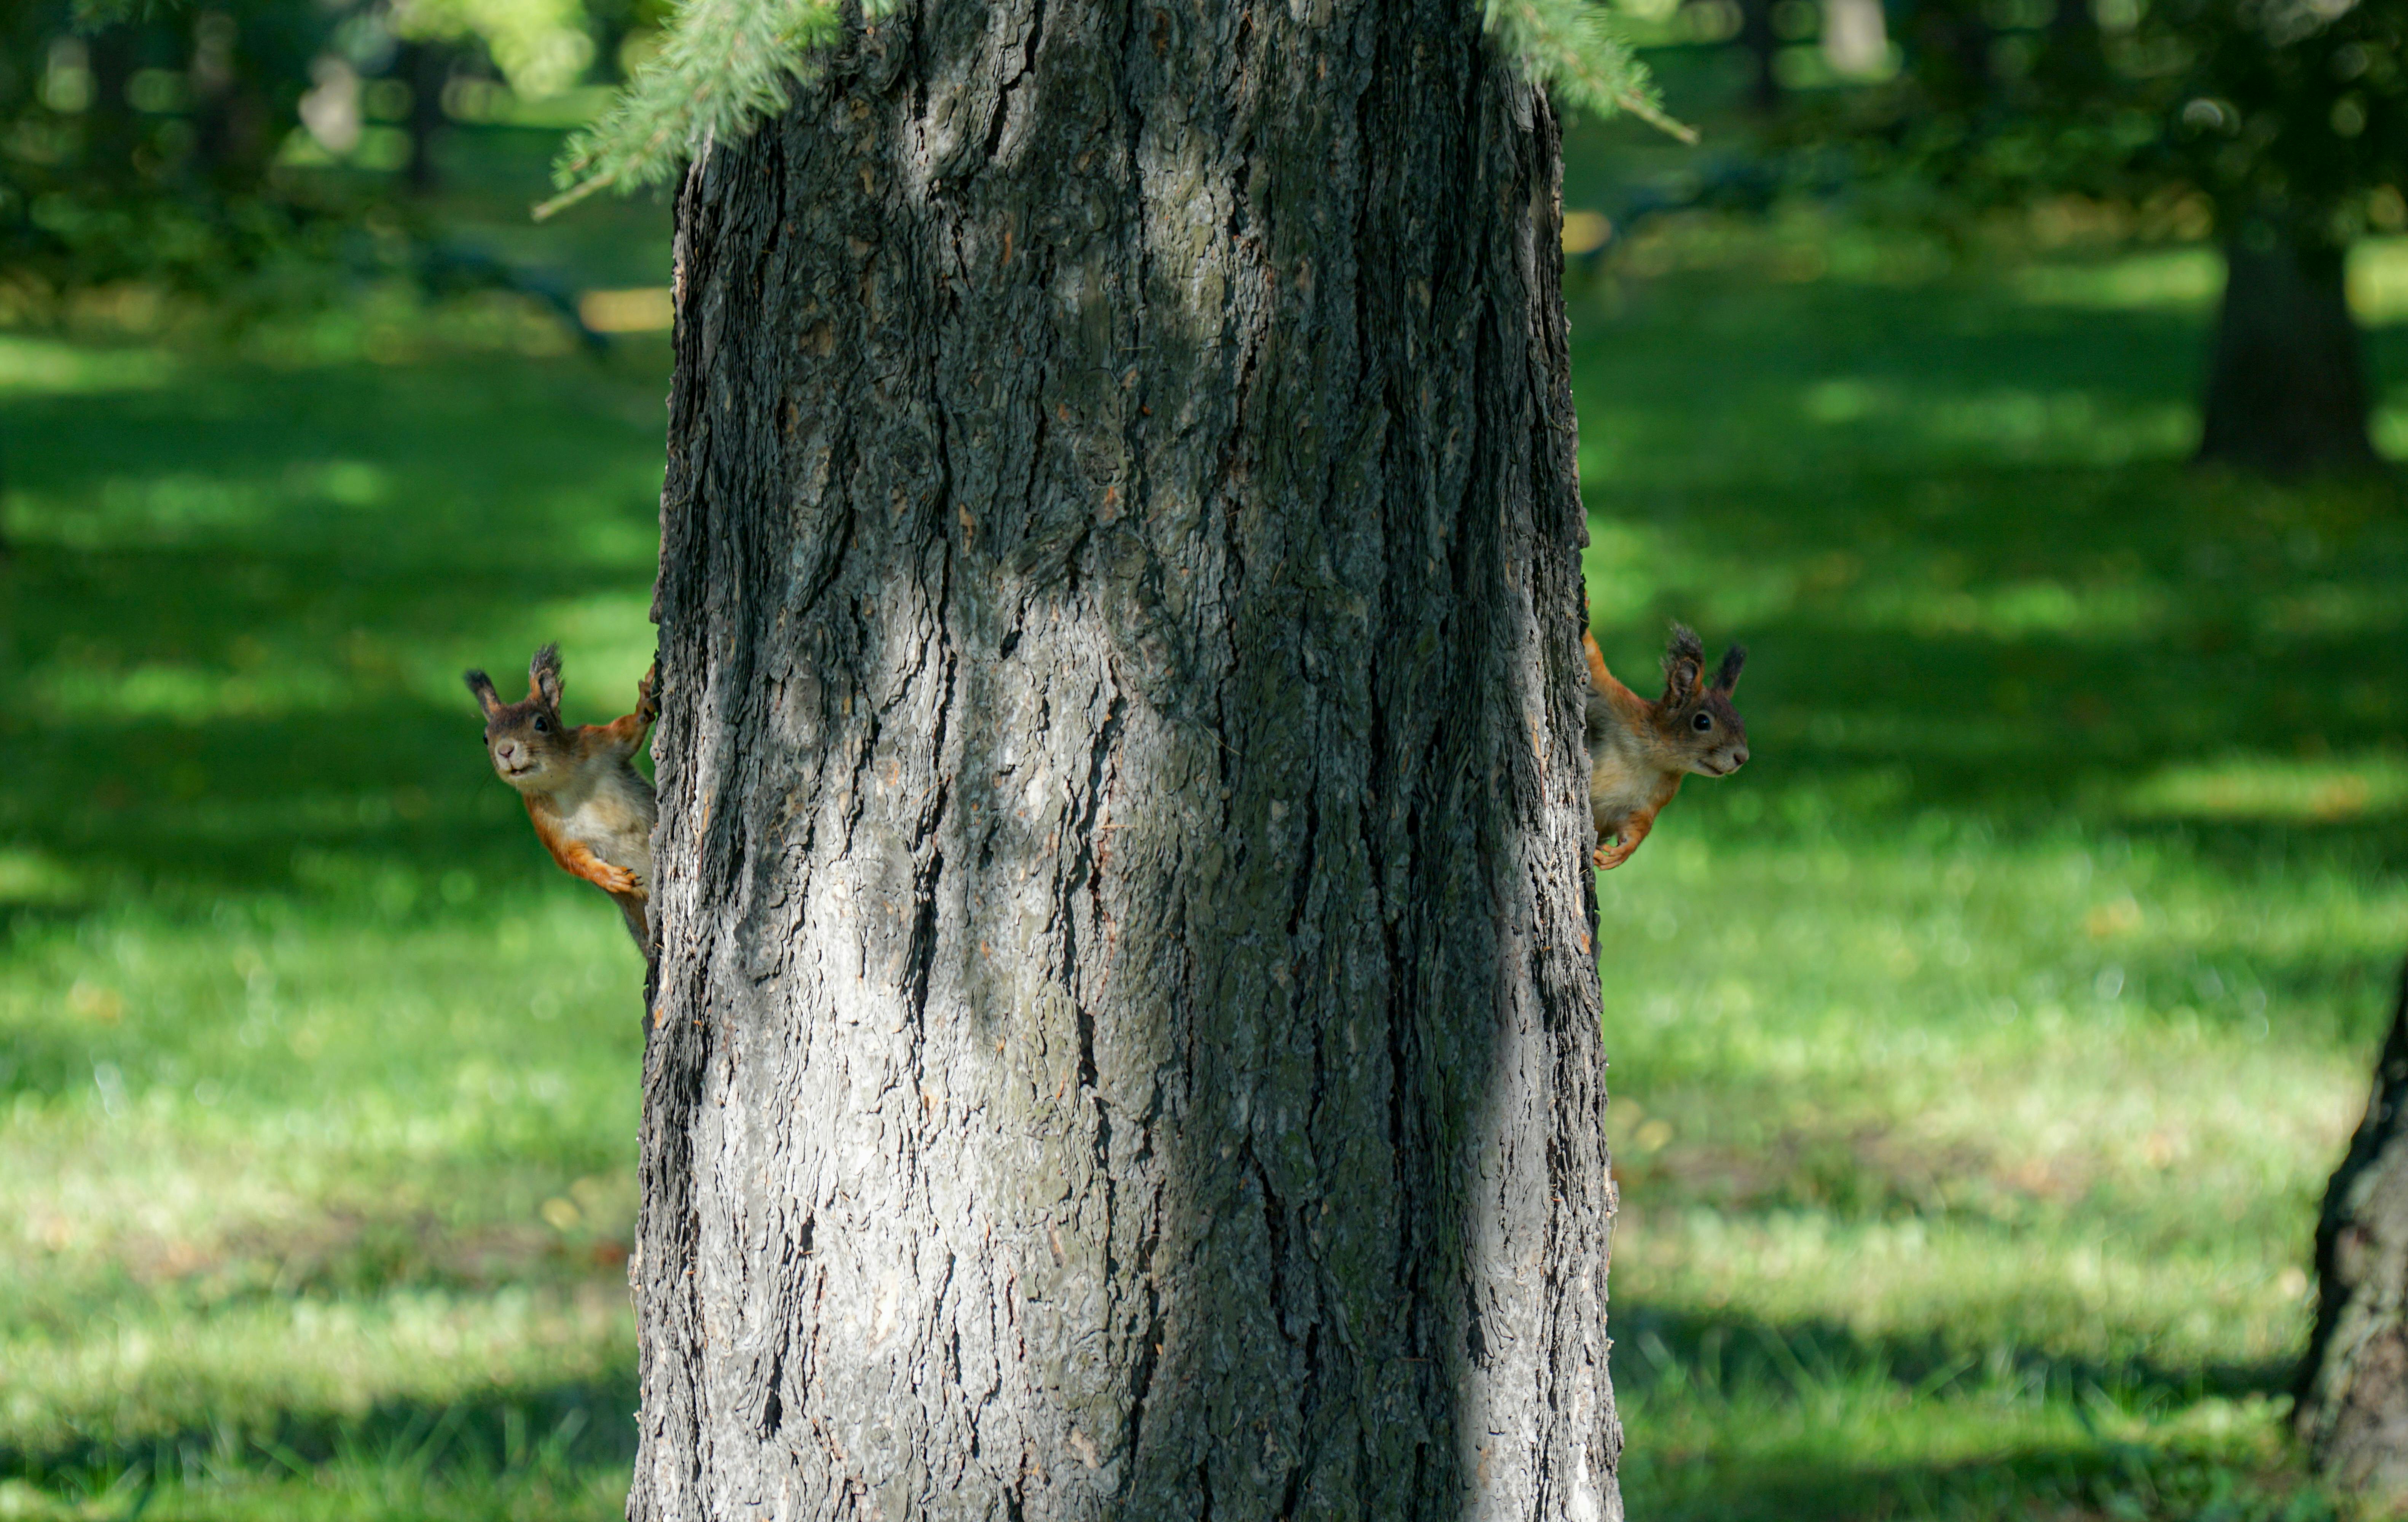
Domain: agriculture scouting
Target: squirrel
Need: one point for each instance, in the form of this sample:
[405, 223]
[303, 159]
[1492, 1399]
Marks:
[593, 810]
[1639, 751]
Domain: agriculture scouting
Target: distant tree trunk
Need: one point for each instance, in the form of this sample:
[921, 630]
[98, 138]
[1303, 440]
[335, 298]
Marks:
[1762, 45]
[2286, 386]
[426, 68]
[2353, 1384]
[1127, 1042]
[111, 129]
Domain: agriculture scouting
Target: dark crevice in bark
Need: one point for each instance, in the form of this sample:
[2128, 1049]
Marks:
[773, 1411]
[1300, 884]
[1149, 1355]
[1022, 79]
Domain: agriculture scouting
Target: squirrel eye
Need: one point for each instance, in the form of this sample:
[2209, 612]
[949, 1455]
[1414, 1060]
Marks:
[543, 726]
[1702, 723]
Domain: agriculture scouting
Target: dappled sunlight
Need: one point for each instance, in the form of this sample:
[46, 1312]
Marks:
[2275, 790]
[30, 366]
[35, 877]
[318, 1075]
[2183, 279]
[182, 693]
[2378, 280]
[1990, 1038]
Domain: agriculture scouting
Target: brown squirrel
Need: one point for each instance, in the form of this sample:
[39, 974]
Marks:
[593, 810]
[1639, 751]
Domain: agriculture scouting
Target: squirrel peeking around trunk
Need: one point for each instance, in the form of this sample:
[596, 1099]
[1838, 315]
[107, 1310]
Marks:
[1639, 751]
[592, 809]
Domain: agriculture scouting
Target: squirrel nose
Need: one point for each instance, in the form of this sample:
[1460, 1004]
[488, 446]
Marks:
[506, 753]
[1739, 759]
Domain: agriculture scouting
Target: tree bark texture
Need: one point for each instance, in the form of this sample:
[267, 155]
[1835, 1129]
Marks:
[1127, 1043]
[2285, 384]
[2353, 1384]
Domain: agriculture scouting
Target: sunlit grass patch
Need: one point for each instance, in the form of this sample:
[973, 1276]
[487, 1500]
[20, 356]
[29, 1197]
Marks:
[2185, 278]
[57, 367]
[2271, 788]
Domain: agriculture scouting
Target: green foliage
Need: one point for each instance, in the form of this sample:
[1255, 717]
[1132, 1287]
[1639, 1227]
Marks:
[145, 148]
[725, 65]
[2291, 111]
[1567, 45]
[543, 46]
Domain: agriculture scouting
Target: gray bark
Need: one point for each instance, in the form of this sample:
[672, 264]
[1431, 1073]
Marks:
[2353, 1384]
[1127, 1037]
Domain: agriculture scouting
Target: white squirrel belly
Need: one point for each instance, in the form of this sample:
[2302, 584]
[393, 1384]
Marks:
[620, 810]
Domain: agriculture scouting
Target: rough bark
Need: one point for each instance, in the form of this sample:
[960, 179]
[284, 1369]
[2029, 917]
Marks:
[1127, 1036]
[2353, 1384]
[2286, 384]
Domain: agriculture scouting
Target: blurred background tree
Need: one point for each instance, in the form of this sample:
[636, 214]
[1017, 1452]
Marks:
[2278, 126]
[193, 147]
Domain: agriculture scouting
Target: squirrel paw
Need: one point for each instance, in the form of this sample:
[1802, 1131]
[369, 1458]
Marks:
[617, 880]
[648, 706]
[1610, 857]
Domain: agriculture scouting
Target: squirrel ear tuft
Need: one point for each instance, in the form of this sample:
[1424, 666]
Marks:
[543, 676]
[1727, 676]
[483, 686]
[1685, 663]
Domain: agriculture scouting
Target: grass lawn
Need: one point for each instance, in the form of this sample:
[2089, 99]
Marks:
[1980, 1051]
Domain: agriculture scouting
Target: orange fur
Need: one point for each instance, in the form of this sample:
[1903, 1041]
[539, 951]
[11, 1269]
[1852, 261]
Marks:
[1638, 750]
[592, 810]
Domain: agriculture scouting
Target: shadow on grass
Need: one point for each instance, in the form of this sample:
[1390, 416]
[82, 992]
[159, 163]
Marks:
[2035, 1481]
[496, 1430]
[1654, 1346]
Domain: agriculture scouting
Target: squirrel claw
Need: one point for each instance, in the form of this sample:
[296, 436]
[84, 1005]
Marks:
[648, 706]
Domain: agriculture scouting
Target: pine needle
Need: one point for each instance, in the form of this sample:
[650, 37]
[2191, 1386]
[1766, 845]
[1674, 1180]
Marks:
[727, 64]
[725, 68]
[1566, 46]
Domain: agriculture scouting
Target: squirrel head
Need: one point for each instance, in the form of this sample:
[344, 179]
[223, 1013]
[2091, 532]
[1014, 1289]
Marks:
[526, 742]
[1696, 719]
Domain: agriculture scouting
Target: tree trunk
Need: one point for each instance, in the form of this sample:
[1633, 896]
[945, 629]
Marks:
[1761, 45]
[2353, 1384]
[1127, 1042]
[2285, 388]
[426, 68]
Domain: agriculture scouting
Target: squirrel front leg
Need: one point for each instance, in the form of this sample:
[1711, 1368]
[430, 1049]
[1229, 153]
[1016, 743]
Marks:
[627, 732]
[1633, 831]
[579, 860]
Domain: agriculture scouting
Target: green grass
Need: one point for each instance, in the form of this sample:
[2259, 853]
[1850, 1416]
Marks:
[1979, 1052]
[318, 1086]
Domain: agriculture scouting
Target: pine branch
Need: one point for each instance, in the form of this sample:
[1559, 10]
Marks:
[725, 67]
[1566, 46]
